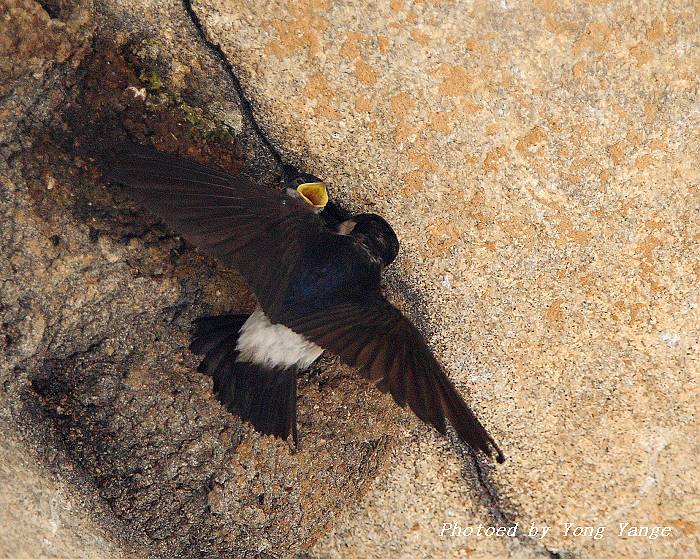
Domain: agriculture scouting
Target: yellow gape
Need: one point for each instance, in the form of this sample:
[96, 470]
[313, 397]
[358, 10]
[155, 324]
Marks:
[314, 193]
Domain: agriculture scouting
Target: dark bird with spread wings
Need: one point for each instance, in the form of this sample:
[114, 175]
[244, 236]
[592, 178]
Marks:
[316, 277]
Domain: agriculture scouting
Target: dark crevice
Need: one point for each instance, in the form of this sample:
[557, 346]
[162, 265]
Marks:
[53, 8]
[245, 105]
[32, 119]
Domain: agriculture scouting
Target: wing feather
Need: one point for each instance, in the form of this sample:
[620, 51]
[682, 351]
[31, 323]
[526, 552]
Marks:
[261, 232]
[372, 334]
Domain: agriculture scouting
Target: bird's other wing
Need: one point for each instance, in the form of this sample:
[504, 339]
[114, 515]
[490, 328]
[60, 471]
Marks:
[372, 334]
[259, 231]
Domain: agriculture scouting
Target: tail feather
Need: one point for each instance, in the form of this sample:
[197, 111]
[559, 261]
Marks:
[224, 322]
[267, 398]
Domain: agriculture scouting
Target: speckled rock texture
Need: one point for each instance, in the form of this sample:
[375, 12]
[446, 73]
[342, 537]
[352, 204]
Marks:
[539, 162]
[41, 517]
[97, 301]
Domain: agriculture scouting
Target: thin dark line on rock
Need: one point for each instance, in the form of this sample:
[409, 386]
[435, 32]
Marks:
[490, 497]
[246, 107]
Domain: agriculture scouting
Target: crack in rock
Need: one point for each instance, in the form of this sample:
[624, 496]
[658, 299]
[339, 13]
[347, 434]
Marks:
[492, 500]
[244, 102]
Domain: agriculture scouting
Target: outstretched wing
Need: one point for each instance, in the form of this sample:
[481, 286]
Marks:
[264, 233]
[259, 231]
[371, 333]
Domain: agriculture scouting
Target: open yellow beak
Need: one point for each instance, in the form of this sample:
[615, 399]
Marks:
[314, 193]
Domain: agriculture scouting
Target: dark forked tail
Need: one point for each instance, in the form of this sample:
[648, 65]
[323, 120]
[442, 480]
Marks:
[265, 397]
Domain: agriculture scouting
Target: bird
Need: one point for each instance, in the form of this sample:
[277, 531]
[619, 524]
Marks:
[315, 192]
[317, 280]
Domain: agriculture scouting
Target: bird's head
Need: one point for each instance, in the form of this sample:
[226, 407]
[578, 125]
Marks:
[311, 189]
[375, 233]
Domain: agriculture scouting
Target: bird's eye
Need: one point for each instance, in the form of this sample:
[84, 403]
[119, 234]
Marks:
[299, 180]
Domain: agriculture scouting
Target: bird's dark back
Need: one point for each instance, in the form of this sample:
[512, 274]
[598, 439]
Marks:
[331, 271]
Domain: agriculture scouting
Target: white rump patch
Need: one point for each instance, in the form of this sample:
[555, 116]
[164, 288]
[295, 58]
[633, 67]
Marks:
[274, 345]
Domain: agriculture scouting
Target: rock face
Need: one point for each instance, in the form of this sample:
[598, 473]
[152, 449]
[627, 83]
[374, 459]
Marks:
[98, 299]
[43, 518]
[539, 164]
